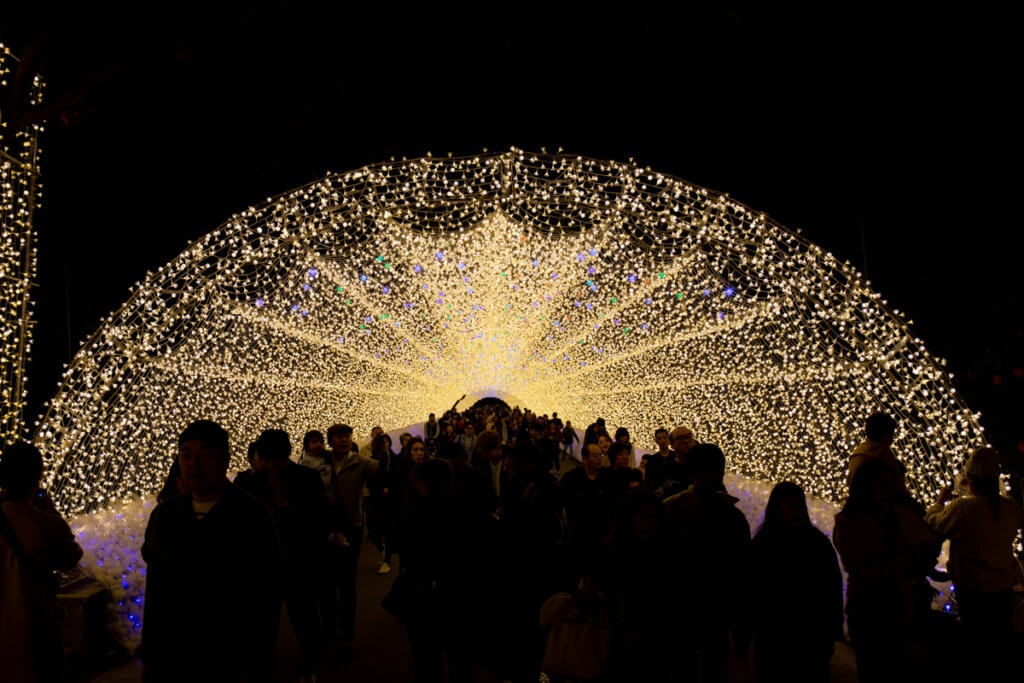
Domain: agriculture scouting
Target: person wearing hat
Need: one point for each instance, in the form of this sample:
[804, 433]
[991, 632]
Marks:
[982, 527]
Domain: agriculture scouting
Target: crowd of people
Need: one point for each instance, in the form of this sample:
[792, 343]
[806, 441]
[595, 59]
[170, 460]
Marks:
[514, 552]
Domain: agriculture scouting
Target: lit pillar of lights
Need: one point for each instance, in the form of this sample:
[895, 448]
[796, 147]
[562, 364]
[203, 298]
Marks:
[587, 287]
[19, 192]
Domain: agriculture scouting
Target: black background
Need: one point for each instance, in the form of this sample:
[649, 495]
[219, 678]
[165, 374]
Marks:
[889, 137]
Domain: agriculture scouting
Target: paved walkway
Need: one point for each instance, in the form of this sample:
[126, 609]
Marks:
[382, 652]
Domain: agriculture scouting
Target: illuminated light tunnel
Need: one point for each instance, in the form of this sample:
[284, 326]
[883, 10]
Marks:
[587, 287]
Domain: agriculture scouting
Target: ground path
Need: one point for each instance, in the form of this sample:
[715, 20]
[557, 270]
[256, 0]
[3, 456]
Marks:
[382, 652]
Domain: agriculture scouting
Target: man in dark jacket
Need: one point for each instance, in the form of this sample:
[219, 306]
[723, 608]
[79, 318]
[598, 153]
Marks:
[714, 537]
[675, 475]
[295, 496]
[213, 576]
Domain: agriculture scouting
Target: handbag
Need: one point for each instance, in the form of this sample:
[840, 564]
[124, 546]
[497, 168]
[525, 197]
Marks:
[577, 645]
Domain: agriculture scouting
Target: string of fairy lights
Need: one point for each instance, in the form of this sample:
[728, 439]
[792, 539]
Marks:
[19, 194]
[587, 287]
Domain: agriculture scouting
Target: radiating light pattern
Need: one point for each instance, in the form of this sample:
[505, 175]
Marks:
[19, 193]
[591, 288]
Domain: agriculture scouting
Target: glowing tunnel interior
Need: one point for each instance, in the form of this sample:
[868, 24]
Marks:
[591, 288]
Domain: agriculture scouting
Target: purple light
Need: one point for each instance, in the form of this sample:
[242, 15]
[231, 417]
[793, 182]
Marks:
[313, 272]
[259, 303]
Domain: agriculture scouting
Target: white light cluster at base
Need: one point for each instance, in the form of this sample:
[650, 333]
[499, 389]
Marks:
[591, 288]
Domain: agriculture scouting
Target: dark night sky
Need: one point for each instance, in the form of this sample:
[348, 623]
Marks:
[904, 123]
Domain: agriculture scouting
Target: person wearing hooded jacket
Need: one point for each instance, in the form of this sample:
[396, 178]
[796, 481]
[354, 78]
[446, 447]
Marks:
[715, 537]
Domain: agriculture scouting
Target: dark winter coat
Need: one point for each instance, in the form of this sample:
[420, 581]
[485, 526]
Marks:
[213, 588]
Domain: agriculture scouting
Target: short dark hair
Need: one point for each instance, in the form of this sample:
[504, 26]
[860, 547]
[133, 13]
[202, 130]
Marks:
[879, 427]
[21, 468]
[340, 430]
[251, 452]
[617, 448]
[660, 430]
[707, 457]
[599, 421]
[487, 441]
[274, 444]
[621, 431]
[210, 433]
[309, 436]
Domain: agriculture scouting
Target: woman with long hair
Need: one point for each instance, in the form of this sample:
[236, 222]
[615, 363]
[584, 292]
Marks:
[798, 615]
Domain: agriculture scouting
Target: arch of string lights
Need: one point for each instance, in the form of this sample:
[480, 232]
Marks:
[587, 287]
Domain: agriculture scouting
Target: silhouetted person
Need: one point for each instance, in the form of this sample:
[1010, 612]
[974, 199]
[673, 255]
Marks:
[431, 428]
[35, 541]
[352, 473]
[675, 476]
[588, 507]
[715, 538]
[879, 430]
[316, 457]
[797, 611]
[656, 460]
[982, 527]
[240, 479]
[214, 574]
[295, 496]
[436, 543]
[886, 549]
[489, 460]
[384, 503]
[620, 478]
[640, 548]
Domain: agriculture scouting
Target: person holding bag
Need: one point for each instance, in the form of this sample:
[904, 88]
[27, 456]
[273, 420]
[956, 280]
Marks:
[35, 541]
[579, 634]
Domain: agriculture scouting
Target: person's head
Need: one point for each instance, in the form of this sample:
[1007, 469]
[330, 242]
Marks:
[786, 508]
[880, 427]
[604, 442]
[622, 435]
[873, 488]
[618, 455]
[488, 446]
[639, 518]
[536, 430]
[381, 446]
[404, 439]
[433, 479]
[592, 456]
[449, 429]
[707, 464]
[255, 464]
[375, 432]
[313, 442]
[470, 429]
[432, 419]
[417, 450]
[340, 438]
[983, 476]
[274, 448]
[568, 424]
[661, 438]
[599, 422]
[204, 453]
[682, 441]
[21, 469]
